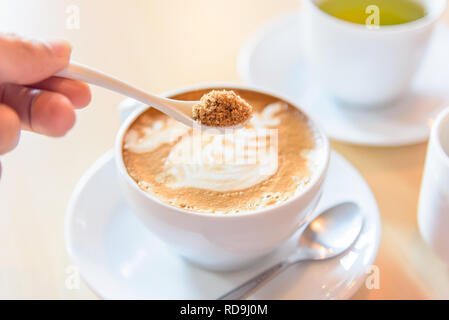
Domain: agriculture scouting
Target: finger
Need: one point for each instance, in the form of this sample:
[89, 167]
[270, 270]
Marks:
[25, 61]
[52, 114]
[9, 129]
[78, 92]
[41, 111]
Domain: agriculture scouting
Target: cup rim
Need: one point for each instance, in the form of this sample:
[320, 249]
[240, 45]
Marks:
[428, 19]
[317, 177]
[444, 115]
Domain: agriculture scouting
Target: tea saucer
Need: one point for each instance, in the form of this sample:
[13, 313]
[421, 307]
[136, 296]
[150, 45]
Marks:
[274, 59]
[120, 259]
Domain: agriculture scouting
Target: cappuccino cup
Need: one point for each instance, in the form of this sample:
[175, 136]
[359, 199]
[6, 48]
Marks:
[184, 205]
[366, 65]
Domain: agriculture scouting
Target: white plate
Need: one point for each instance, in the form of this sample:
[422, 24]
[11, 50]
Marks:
[274, 59]
[120, 259]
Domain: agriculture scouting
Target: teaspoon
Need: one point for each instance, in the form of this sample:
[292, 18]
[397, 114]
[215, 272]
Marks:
[327, 236]
[177, 109]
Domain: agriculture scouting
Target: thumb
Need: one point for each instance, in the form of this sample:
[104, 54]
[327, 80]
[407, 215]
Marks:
[24, 61]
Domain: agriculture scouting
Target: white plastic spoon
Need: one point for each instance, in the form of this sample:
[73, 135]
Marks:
[177, 109]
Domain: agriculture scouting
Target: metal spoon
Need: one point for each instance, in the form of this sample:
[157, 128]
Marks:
[177, 109]
[327, 236]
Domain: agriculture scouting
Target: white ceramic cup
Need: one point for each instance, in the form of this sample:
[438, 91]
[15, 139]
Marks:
[221, 241]
[433, 208]
[366, 66]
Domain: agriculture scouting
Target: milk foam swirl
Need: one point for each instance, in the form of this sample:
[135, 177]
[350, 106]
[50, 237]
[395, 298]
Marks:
[149, 138]
[234, 161]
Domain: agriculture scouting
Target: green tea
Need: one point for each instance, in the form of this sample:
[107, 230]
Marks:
[390, 12]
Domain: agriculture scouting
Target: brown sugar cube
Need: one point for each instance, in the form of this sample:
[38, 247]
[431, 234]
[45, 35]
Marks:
[221, 108]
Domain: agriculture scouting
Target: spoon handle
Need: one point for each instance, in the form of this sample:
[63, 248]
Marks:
[77, 71]
[252, 285]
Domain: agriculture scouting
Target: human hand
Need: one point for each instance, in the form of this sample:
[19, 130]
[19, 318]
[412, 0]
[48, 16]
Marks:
[30, 97]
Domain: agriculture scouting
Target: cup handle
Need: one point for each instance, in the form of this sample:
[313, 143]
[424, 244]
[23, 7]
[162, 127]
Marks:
[127, 107]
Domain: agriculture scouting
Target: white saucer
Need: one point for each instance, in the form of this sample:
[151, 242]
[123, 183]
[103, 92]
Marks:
[274, 60]
[120, 259]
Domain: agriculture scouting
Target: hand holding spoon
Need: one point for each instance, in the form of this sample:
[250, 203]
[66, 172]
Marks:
[177, 109]
[327, 236]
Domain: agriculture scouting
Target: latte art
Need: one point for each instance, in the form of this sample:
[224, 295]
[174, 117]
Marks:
[221, 163]
[149, 138]
[268, 161]
[236, 160]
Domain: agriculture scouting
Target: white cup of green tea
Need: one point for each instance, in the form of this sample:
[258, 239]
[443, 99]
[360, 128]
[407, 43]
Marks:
[366, 52]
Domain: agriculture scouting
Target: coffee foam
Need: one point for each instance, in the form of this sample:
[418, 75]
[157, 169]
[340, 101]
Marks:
[207, 173]
[155, 134]
[233, 161]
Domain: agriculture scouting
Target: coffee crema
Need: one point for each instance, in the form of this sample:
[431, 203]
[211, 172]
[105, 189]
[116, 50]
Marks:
[267, 162]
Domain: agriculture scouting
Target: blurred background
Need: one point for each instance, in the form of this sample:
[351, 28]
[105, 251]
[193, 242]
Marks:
[159, 45]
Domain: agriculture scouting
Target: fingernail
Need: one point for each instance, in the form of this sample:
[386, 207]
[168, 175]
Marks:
[61, 49]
